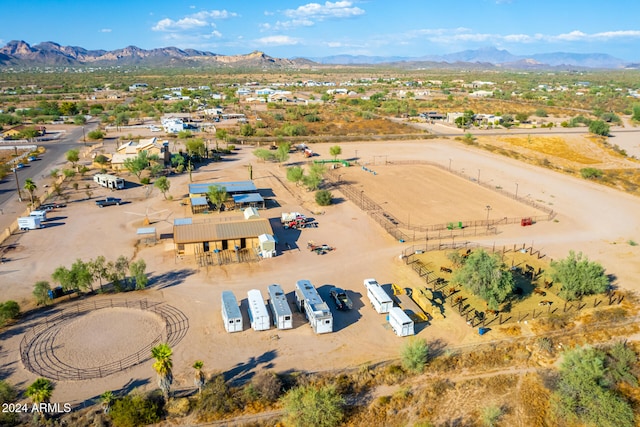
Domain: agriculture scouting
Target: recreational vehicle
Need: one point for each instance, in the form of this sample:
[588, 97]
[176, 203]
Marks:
[380, 300]
[231, 315]
[282, 316]
[400, 322]
[258, 314]
[109, 181]
[314, 308]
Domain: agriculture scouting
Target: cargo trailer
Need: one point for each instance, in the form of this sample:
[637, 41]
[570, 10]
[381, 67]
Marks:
[282, 317]
[231, 315]
[258, 314]
[380, 300]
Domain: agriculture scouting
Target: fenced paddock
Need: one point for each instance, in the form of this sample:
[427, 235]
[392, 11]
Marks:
[530, 267]
[422, 201]
[38, 345]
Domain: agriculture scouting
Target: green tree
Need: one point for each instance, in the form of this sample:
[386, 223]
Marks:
[312, 405]
[323, 197]
[73, 156]
[599, 127]
[106, 400]
[163, 184]
[247, 130]
[222, 134]
[164, 367]
[282, 153]
[295, 174]
[522, 117]
[198, 379]
[8, 394]
[583, 393]
[40, 391]
[195, 147]
[486, 276]
[136, 165]
[9, 310]
[635, 115]
[415, 354]
[137, 271]
[217, 194]
[335, 151]
[215, 399]
[41, 292]
[81, 275]
[578, 276]
[31, 187]
[98, 269]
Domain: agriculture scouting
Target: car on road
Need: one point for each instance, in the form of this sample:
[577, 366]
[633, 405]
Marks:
[109, 201]
[17, 166]
[32, 158]
[340, 298]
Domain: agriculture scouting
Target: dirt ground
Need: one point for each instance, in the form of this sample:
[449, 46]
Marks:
[596, 220]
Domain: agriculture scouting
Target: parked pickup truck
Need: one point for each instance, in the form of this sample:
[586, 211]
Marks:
[108, 202]
[341, 299]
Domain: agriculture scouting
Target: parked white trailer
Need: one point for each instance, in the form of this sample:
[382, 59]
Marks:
[29, 223]
[231, 315]
[258, 314]
[109, 181]
[41, 215]
[290, 216]
[400, 322]
[314, 308]
[380, 300]
[282, 316]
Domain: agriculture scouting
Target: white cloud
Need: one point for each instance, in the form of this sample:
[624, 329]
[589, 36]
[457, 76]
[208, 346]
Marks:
[277, 41]
[105, 30]
[295, 23]
[194, 21]
[317, 11]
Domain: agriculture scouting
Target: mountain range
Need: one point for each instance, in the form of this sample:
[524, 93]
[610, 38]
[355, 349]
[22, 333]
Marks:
[49, 54]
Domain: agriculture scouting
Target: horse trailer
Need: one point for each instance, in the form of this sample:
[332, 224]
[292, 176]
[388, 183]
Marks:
[380, 300]
[231, 315]
[282, 317]
[258, 314]
[400, 322]
[109, 181]
[314, 308]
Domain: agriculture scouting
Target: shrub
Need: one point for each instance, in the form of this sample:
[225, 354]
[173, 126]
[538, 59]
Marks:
[313, 406]
[215, 400]
[591, 173]
[324, 197]
[136, 410]
[415, 355]
[8, 310]
[95, 134]
[8, 394]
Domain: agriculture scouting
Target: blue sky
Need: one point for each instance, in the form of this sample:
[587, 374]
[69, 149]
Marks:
[284, 28]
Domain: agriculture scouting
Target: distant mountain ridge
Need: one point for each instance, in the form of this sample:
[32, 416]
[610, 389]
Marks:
[19, 53]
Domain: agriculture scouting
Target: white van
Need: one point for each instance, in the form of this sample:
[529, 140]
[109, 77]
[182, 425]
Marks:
[42, 215]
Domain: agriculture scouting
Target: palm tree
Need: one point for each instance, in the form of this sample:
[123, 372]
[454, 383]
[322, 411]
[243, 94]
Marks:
[107, 399]
[40, 391]
[198, 380]
[31, 187]
[163, 367]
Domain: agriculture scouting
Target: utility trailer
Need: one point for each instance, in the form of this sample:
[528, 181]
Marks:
[282, 316]
[231, 315]
[380, 300]
[29, 223]
[258, 314]
[314, 308]
[400, 322]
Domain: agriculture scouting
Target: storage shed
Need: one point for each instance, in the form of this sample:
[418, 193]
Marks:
[282, 316]
[231, 315]
[267, 245]
[251, 213]
[258, 314]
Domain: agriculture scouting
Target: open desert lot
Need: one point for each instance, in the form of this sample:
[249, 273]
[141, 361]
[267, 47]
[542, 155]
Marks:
[594, 219]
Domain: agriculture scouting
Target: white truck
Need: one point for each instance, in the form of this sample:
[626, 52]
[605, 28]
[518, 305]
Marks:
[380, 300]
[29, 223]
[290, 216]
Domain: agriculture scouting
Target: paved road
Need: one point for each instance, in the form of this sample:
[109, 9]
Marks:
[54, 157]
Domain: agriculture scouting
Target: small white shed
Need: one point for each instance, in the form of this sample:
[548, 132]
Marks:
[267, 245]
[251, 213]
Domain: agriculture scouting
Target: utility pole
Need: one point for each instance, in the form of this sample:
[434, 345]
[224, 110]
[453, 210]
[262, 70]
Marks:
[15, 172]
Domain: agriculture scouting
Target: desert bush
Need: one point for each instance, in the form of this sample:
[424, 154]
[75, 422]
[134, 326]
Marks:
[323, 197]
[415, 355]
[9, 310]
[136, 410]
[313, 406]
[215, 400]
